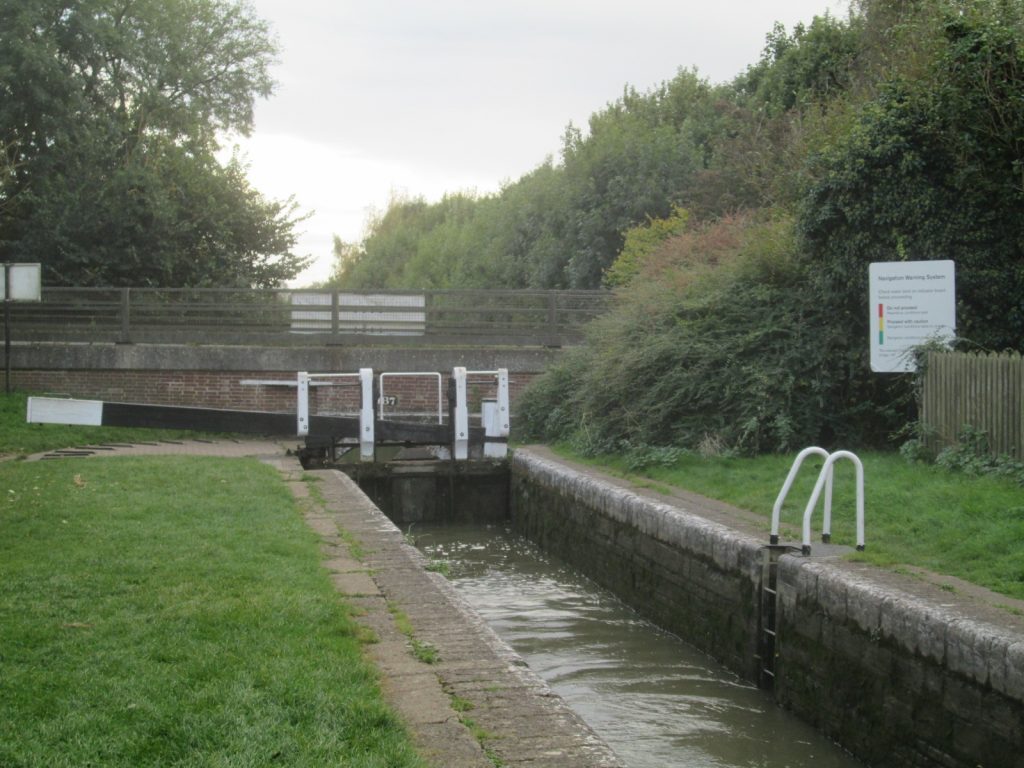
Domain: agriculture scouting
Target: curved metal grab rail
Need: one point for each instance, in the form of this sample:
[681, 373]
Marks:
[790, 478]
[825, 477]
[824, 481]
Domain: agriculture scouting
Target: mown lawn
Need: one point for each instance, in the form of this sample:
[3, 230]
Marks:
[916, 514]
[173, 612]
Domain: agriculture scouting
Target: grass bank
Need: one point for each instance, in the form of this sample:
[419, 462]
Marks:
[174, 612]
[916, 514]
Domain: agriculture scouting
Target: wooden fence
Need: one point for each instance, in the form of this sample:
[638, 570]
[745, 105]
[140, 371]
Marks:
[303, 317]
[983, 391]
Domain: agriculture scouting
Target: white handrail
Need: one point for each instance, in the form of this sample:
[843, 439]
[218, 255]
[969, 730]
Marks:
[823, 477]
[790, 478]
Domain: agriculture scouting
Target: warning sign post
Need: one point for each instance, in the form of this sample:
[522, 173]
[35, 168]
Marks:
[910, 303]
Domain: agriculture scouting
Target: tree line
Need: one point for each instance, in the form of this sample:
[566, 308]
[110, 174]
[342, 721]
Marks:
[736, 223]
[111, 117]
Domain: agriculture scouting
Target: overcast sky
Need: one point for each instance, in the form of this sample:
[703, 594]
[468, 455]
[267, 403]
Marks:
[382, 97]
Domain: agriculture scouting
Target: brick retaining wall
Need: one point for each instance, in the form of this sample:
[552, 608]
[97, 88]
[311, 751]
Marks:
[220, 389]
[210, 376]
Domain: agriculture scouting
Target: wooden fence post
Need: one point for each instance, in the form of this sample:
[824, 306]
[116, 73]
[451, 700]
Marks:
[983, 391]
[125, 336]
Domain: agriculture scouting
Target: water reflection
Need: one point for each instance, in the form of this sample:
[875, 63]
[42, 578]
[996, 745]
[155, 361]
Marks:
[656, 701]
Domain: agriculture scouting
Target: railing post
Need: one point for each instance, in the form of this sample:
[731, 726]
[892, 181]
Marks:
[126, 313]
[366, 415]
[495, 418]
[302, 404]
[460, 425]
[428, 313]
[335, 320]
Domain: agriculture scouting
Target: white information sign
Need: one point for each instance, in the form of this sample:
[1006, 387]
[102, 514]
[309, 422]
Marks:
[911, 303]
[26, 282]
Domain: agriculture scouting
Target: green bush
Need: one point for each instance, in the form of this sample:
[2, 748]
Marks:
[716, 342]
[640, 242]
[972, 456]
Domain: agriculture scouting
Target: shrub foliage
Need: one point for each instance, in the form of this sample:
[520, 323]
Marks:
[715, 341]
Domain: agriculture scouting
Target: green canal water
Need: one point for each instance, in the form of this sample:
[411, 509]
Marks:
[655, 700]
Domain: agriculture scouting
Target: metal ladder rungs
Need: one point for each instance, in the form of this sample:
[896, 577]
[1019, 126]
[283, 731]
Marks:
[768, 638]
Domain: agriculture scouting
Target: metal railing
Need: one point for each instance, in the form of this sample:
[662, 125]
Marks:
[299, 317]
[824, 482]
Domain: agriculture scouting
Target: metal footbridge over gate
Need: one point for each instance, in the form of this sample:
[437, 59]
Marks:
[362, 423]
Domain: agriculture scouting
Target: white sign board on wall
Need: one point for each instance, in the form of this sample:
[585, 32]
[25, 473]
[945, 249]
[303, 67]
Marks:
[26, 282]
[911, 303]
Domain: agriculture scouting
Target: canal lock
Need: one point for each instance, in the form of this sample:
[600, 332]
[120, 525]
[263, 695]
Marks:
[434, 499]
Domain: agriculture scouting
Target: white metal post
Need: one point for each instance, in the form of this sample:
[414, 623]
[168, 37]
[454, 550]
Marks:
[494, 416]
[366, 436]
[460, 447]
[489, 419]
[503, 408]
[302, 404]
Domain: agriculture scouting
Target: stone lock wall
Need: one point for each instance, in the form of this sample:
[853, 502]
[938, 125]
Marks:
[690, 576]
[896, 675]
[897, 680]
[435, 491]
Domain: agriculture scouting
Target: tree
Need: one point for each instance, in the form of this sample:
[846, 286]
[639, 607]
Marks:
[805, 68]
[110, 113]
[933, 168]
[392, 237]
[521, 234]
[639, 244]
[7, 178]
[641, 156]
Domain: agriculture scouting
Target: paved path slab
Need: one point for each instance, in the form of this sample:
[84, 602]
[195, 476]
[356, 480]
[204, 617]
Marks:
[477, 703]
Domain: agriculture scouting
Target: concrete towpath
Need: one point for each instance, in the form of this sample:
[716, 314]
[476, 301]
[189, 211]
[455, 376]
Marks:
[468, 700]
